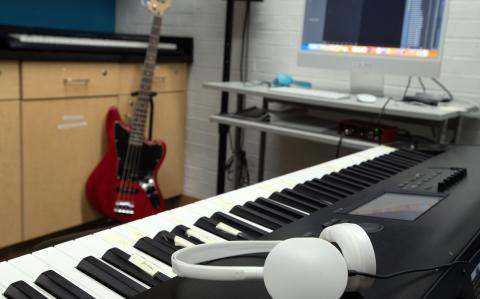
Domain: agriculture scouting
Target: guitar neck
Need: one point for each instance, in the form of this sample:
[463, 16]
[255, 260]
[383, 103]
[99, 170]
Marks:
[141, 108]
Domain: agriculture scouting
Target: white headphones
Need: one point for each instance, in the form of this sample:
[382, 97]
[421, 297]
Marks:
[303, 268]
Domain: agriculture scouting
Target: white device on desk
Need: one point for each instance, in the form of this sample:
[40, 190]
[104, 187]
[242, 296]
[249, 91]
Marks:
[366, 98]
[319, 268]
[321, 94]
[354, 38]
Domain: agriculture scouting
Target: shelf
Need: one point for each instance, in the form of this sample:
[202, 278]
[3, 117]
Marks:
[318, 134]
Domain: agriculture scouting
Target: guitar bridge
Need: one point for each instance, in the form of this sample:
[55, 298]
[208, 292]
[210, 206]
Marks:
[124, 207]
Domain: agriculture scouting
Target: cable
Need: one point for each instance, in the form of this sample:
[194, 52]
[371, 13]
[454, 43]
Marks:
[444, 88]
[408, 87]
[408, 271]
[422, 84]
[339, 146]
[382, 112]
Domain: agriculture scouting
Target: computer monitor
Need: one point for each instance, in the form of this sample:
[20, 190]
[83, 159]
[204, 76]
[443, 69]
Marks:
[374, 37]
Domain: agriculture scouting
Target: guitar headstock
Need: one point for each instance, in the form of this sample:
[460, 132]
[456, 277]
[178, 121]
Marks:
[159, 7]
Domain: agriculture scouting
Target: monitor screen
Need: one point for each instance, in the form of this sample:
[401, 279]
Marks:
[392, 28]
[398, 206]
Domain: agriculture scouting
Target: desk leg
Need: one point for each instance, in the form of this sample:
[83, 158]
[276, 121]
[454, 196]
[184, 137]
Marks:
[262, 149]
[442, 137]
[458, 131]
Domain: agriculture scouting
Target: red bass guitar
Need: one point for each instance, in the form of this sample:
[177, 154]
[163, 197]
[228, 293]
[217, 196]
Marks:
[124, 185]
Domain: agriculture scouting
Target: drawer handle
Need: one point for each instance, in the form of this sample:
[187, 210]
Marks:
[78, 81]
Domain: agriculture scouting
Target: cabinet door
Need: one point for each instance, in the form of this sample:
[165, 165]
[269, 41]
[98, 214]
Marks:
[10, 202]
[169, 126]
[63, 141]
[9, 81]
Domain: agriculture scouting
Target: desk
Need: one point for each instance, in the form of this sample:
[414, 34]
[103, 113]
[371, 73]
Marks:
[441, 117]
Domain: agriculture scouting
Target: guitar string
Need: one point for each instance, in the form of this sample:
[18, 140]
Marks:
[156, 28]
[136, 153]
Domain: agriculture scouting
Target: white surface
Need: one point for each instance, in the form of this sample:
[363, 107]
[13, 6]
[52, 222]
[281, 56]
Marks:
[92, 42]
[396, 108]
[320, 94]
[9, 274]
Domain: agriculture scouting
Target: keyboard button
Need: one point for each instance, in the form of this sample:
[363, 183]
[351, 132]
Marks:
[293, 202]
[10, 274]
[226, 232]
[284, 218]
[239, 224]
[109, 277]
[155, 249]
[319, 203]
[340, 193]
[315, 193]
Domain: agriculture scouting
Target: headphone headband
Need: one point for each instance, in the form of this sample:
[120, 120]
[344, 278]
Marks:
[187, 260]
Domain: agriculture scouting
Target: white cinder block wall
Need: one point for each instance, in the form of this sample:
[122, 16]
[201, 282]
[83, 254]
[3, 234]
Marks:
[276, 30]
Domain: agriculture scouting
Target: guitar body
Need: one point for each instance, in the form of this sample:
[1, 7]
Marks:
[134, 184]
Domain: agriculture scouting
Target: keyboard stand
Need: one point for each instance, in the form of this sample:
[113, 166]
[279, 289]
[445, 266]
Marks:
[445, 119]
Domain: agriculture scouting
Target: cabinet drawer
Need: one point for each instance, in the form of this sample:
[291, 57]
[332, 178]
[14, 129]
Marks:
[9, 81]
[61, 80]
[63, 141]
[168, 78]
[10, 200]
[169, 126]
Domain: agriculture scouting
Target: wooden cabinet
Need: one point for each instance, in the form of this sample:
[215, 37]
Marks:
[9, 81]
[169, 126]
[63, 140]
[52, 135]
[42, 80]
[10, 200]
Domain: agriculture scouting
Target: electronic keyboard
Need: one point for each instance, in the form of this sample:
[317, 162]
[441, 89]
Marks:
[419, 210]
[18, 42]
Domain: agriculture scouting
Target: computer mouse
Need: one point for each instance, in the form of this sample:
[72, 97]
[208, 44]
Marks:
[366, 98]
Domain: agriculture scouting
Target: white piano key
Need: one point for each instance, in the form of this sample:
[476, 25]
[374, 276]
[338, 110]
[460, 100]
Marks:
[9, 274]
[78, 252]
[124, 242]
[63, 263]
[34, 267]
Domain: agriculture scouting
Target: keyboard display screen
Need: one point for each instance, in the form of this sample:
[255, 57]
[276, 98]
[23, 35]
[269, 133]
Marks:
[398, 206]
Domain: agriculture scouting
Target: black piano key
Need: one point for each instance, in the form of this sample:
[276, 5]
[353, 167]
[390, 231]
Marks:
[333, 183]
[342, 182]
[368, 169]
[285, 218]
[22, 290]
[120, 260]
[109, 277]
[293, 202]
[279, 207]
[168, 238]
[59, 287]
[379, 168]
[180, 230]
[353, 179]
[257, 217]
[407, 156]
[366, 177]
[320, 203]
[416, 153]
[238, 224]
[313, 192]
[155, 249]
[392, 161]
[210, 226]
[341, 193]
[404, 160]
[389, 166]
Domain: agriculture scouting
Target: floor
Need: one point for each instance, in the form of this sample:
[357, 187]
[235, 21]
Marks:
[76, 232]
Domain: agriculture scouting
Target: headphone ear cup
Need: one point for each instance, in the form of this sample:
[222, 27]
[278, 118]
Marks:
[357, 250]
[318, 268]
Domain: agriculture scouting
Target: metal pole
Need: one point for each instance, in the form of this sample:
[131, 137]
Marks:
[223, 129]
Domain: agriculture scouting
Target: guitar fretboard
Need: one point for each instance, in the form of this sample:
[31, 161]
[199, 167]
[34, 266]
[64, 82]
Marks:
[141, 108]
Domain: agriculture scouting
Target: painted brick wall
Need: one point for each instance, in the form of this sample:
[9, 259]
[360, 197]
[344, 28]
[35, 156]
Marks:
[276, 30]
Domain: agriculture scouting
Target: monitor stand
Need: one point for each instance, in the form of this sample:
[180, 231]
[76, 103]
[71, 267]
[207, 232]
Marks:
[369, 83]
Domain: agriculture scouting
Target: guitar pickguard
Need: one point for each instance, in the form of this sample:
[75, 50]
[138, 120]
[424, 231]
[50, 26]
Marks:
[137, 164]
